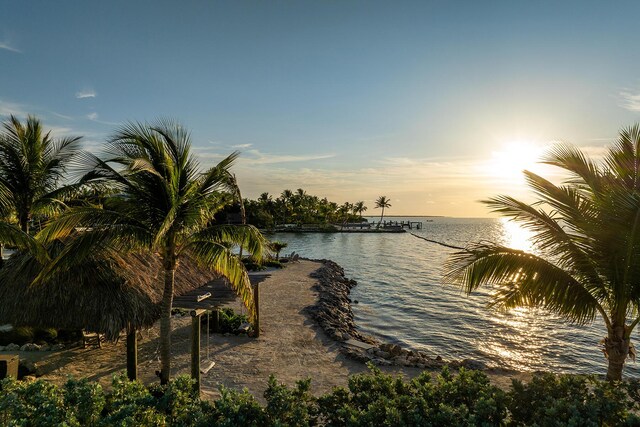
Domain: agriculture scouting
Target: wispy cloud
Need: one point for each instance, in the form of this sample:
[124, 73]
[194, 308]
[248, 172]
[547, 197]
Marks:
[88, 93]
[92, 116]
[7, 108]
[256, 157]
[241, 146]
[630, 101]
[6, 46]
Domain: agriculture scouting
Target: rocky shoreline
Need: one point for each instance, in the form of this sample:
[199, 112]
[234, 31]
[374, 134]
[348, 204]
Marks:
[334, 315]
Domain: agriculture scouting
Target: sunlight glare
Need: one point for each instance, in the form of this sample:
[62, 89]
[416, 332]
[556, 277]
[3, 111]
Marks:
[514, 236]
[513, 158]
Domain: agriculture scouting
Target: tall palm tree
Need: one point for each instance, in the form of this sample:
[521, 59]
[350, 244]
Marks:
[32, 165]
[165, 205]
[382, 202]
[587, 232]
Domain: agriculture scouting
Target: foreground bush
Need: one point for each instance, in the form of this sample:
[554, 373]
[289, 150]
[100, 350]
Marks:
[373, 399]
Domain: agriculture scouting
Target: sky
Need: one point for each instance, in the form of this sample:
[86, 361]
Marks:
[434, 104]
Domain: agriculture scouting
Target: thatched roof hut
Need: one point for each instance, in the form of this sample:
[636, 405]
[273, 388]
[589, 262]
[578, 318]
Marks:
[105, 295]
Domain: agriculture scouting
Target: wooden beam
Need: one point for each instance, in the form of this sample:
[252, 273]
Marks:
[198, 312]
[195, 350]
[132, 355]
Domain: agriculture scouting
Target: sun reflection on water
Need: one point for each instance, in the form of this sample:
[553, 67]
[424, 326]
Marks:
[515, 236]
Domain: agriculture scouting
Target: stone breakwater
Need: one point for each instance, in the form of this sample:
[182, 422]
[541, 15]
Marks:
[333, 311]
[334, 315]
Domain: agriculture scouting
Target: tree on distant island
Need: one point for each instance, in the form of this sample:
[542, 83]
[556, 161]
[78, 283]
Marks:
[359, 208]
[382, 202]
[587, 235]
[164, 204]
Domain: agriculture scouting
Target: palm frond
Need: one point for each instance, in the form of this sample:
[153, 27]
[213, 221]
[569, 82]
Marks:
[522, 279]
[218, 257]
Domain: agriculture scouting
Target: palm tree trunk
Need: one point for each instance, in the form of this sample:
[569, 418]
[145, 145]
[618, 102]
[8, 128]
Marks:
[381, 216]
[24, 223]
[617, 348]
[165, 325]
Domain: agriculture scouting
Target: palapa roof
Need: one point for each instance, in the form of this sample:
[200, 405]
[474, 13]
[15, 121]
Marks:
[105, 295]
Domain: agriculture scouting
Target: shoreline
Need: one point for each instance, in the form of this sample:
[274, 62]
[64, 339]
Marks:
[292, 345]
[334, 314]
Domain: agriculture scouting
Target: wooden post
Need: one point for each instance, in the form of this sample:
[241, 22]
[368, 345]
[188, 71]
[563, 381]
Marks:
[195, 347]
[216, 321]
[256, 301]
[132, 355]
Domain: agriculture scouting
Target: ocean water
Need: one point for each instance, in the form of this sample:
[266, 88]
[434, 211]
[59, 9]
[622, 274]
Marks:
[401, 299]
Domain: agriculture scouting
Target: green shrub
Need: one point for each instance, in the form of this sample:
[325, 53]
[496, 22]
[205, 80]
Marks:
[570, 400]
[380, 399]
[85, 400]
[228, 320]
[371, 399]
[291, 406]
[237, 408]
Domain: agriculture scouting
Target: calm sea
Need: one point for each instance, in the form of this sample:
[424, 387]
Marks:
[401, 299]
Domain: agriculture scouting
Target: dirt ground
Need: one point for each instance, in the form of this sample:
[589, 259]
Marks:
[290, 346]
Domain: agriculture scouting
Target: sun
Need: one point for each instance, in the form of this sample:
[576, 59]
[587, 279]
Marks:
[513, 158]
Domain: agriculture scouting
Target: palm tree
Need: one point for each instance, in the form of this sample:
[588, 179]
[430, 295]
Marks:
[32, 165]
[587, 232]
[278, 247]
[359, 208]
[165, 205]
[382, 202]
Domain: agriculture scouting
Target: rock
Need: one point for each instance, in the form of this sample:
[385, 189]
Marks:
[439, 358]
[381, 362]
[355, 301]
[473, 364]
[393, 349]
[30, 347]
[1, 348]
[243, 328]
[57, 347]
[6, 328]
[12, 347]
[421, 366]
[45, 347]
[29, 378]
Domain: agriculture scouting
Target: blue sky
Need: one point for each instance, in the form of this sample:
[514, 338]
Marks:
[423, 101]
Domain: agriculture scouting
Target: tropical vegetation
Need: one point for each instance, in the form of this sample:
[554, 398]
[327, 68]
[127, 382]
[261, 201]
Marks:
[586, 235]
[298, 208]
[370, 399]
[32, 167]
[148, 194]
[165, 204]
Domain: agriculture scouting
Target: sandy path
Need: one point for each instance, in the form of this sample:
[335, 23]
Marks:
[290, 346]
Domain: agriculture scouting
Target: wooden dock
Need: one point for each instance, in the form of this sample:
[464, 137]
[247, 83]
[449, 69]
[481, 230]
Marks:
[411, 225]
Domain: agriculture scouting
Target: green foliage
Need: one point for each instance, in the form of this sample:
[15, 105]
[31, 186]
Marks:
[228, 320]
[570, 400]
[85, 400]
[297, 208]
[371, 399]
[380, 399]
[238, 408]
[291, 406]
